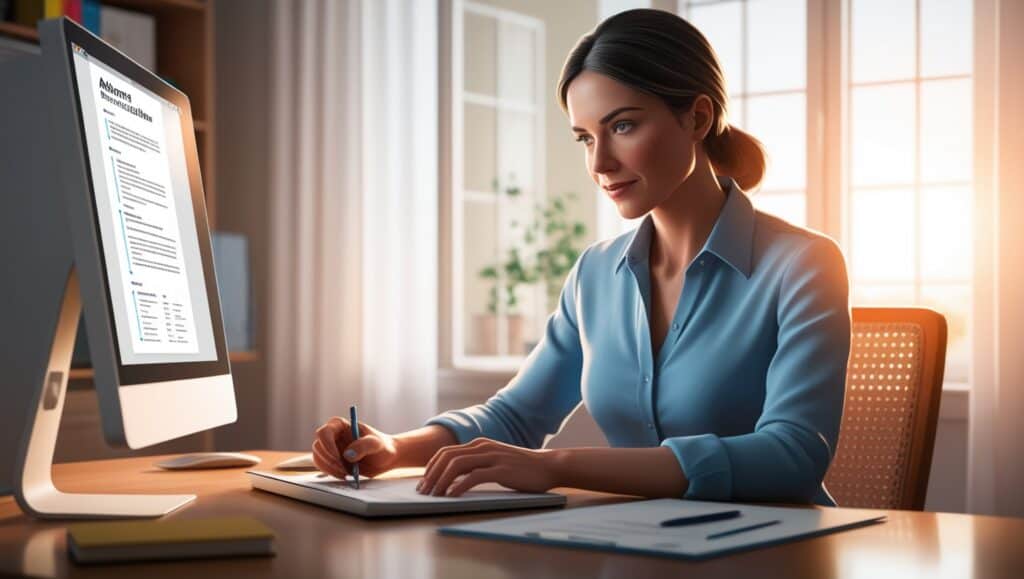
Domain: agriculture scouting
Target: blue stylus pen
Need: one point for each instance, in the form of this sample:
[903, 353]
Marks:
[355, 437]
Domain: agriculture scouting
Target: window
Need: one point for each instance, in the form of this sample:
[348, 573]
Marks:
[498, 143]
[865, 108]
[762, 49]
[909, 187]
[906, 140]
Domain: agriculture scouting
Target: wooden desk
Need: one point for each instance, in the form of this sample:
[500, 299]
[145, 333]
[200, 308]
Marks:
[316, 542]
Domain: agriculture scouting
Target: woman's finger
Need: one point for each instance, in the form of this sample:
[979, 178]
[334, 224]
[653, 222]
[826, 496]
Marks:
[358, 449]
[324, 461]
[438, 455]
[457, 466]
[449, 452]
[328, 436]
[327, 463]
[478, 476]
[441, 459]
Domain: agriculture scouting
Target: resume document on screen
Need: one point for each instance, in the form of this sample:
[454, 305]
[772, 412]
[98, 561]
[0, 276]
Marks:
[147, 226]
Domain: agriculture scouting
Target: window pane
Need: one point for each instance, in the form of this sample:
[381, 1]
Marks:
[882, 295]
[947, 38]
[517, 215]
[735, 114]
[883, 134]
[883, 40]
[480, 249]
[480, 155]
[946, 234]
[947, 130]
[516, 148]
[777, 45]
[780, 122]
[515, 63]
[953, 302]
[790, 206]
[720, 24]
[883, 236]
[480, 54]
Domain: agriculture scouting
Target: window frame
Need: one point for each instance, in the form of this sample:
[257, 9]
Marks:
[839, 59]
[743, 96]
[455, 356]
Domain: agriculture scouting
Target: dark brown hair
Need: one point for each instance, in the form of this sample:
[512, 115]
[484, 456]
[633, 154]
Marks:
[659, 53]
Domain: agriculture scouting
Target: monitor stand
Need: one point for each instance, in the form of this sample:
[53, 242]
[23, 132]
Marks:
[33, 484]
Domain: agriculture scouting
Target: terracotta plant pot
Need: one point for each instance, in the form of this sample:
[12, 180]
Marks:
[484, 338]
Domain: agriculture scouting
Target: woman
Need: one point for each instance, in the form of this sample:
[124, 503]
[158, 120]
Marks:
[710, 344]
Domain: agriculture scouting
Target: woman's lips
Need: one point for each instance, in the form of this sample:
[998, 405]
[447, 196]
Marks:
[619, 189]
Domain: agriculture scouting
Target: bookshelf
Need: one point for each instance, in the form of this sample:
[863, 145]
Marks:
[185, 58]
[184, 47]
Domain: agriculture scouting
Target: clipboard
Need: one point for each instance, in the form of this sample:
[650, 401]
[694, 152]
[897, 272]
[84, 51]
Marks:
[634, 527]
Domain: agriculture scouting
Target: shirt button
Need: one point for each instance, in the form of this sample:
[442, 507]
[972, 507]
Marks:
[647, 379]
[675, 327]
[650, 426]
[701, 262]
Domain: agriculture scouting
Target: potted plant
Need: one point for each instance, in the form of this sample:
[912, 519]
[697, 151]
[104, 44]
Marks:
[549, 247]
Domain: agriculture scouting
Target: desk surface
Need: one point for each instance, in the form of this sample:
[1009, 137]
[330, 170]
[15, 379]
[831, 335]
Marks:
[316, 542]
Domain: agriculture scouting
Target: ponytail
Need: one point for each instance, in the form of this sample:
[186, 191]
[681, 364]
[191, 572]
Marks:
[736, 153]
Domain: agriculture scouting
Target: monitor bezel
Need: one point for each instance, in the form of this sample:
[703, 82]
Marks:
[147, 373]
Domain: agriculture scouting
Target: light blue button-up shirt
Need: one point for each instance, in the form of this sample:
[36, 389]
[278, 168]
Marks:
[747, 388]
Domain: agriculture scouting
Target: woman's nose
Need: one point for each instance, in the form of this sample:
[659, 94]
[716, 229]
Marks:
[602, 160]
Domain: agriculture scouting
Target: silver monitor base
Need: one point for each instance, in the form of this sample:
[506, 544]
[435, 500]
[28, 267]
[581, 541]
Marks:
[33, 485]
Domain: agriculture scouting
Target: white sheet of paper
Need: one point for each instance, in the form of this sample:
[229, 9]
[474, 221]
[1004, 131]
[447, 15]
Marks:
[635, 526]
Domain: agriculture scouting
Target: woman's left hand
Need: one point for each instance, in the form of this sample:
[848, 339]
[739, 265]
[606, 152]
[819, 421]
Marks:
[485, 460]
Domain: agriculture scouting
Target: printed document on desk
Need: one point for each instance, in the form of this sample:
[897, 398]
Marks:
[383, 497]
[634, 527]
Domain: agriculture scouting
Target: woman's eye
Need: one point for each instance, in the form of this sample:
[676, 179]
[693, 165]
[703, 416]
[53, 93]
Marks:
[618, 128]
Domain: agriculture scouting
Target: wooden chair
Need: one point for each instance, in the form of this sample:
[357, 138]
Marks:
[893, 386]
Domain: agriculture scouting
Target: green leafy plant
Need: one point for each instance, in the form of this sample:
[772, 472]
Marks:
[551, 242]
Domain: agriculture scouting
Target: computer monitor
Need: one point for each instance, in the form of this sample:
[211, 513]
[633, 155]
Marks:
[120, 203]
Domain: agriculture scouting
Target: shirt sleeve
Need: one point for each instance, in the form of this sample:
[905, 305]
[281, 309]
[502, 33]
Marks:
[794, 440]
[543, 393]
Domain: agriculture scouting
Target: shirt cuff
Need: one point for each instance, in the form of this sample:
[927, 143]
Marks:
[464, 428]
[705, 464]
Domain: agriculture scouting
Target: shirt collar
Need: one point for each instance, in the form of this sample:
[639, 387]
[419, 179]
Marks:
[731, 240]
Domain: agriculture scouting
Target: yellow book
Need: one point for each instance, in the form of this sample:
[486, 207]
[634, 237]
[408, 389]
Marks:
[111, 541]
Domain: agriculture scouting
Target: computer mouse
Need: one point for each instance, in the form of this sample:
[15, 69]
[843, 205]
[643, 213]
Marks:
[301, 462]
[209, 460]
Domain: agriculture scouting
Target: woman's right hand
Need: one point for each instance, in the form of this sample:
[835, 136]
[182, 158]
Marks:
[334, 450]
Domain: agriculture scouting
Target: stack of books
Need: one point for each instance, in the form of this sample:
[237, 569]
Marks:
[121, 541]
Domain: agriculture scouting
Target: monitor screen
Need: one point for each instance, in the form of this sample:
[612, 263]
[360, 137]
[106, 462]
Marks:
[143, 201]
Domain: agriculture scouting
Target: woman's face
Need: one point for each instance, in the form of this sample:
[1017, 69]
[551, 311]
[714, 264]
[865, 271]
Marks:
[638, 151]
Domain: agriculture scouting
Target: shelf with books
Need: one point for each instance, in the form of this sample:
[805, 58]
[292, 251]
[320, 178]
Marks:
[18, 31]
[176, 39]
[159, 6]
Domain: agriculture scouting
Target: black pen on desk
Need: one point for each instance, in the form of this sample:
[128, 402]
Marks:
[697, 519]
[739, 530]
[355, 437]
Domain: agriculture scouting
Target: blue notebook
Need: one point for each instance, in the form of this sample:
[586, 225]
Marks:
[634, 527]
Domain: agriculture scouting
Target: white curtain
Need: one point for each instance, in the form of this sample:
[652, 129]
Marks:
[995, 473]
[353, 291]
